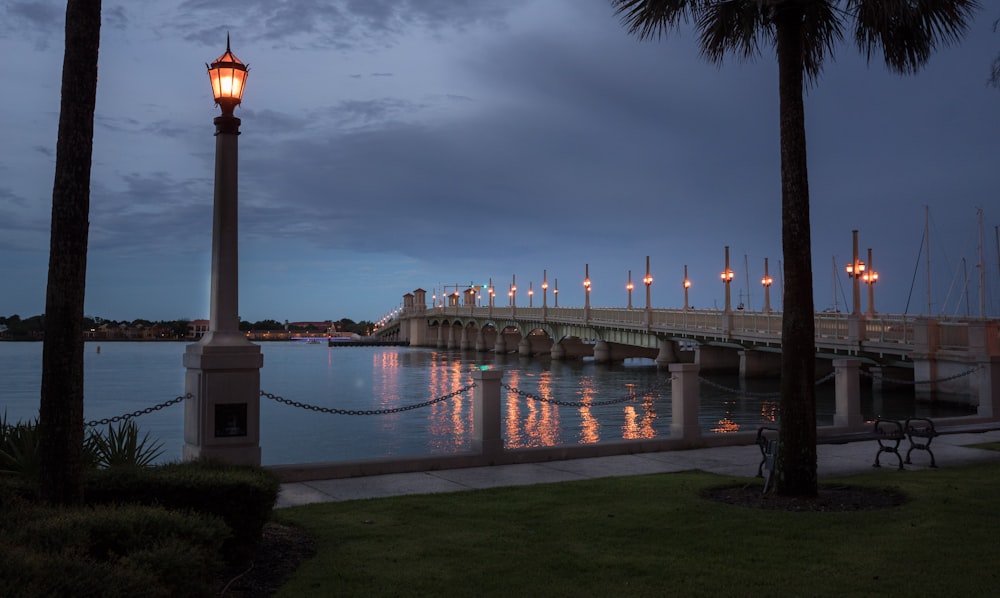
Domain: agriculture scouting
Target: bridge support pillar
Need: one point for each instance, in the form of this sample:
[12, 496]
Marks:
[557, 352]
[487, 438]
[602, 352]
[480, 341]
[500, 346]
[759, 364]
[524, 347]
[450, 341]
[684, 401]
[717, 359]
[464, 343]
[439, 343]
[667, 354]
[848, 393]
[989, 386]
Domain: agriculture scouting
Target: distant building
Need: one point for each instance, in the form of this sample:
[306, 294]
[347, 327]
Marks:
[197, 328]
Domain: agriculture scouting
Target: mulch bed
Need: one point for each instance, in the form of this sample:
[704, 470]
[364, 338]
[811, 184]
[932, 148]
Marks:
[281, 550]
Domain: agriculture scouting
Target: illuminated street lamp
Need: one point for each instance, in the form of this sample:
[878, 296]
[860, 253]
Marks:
[727, 277]
[545, 288]
[687, 285]
[870, 277]
[855, 270]
[647, 280]
[586, 287]
[767, 281]
[555, 292]
[531, 294]
[222, 421]
[629, 287]
[491, 293]
[513, 290]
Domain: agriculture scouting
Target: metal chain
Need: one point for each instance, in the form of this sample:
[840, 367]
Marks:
[365, 411]
[935, 381]
[759, 395]
[128, 416]
[528, 395]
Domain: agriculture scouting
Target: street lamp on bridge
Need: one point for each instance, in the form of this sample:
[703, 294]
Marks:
[870, 277]
[629, 287]
[586, 287]
[222, 421]
[555, 292]
[855, 271]
[767, 281]
[687, 285]
[531, 294]
[727, 277]
[513, 290]
[647, 280]
[545, 288]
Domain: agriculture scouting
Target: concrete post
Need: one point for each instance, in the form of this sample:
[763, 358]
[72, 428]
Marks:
[684, 401]
[848, 393]
[487, 438]
[989, 386]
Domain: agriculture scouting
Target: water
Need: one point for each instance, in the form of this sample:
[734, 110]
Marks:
[124, 377]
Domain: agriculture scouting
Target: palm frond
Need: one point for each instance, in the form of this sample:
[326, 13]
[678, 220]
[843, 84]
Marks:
[908, 31]
[649, 19]
[734, 26]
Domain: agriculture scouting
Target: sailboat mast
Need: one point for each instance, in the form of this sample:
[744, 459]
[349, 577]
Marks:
[982, 267]
[927, 236]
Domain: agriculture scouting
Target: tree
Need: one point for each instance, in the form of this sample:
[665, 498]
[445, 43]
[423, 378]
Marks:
[803, 33]
[60, 418]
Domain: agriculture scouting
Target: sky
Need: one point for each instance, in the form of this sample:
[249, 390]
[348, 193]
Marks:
[390, 145]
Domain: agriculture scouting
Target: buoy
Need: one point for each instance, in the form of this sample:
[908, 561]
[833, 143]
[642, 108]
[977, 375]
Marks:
[98, 348]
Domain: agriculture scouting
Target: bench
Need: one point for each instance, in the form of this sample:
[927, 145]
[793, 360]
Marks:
[921, 431]
[889, 433]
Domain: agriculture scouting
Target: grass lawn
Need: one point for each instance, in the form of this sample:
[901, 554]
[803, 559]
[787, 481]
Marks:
[655, 536]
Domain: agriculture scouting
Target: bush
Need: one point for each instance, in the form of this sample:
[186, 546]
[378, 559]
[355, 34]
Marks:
[242, 496]
[124, 550]
[121, 447]
[19, 449]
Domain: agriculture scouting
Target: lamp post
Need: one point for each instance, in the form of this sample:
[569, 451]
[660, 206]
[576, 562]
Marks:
[687, 285]
[767, 281]
[531, 294]
[629, 287]
[727, 277]
[545, 288]
[855, 270]
[513, 290]
[222, 420]
[586, 290]
[870, 277]
[647, 280]
[555, 292]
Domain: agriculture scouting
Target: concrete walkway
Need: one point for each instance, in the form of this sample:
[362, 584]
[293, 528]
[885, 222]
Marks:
[833, 460]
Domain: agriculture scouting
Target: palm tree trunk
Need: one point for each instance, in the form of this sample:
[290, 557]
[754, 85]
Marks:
[795, 467]
[60, 421]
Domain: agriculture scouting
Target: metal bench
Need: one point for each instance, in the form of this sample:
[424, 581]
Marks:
[889, 433]
[921, 431]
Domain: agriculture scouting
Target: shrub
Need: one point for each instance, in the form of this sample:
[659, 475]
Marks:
[122, 447]
[19, 449]
[115, 549]
[242, 496]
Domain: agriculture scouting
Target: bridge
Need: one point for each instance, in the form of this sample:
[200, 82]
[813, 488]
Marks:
[937, 355]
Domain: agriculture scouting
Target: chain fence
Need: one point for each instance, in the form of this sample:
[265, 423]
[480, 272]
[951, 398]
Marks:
[756, 395]
[334, 411]
[914, 382]
[654, 389]
[127, 416]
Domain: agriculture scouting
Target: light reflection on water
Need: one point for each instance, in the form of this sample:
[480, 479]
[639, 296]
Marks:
[125, 377]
